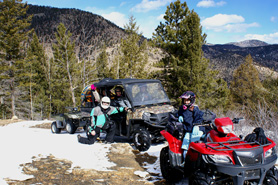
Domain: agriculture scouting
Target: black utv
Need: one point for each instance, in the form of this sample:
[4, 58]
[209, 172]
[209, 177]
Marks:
[149, 113]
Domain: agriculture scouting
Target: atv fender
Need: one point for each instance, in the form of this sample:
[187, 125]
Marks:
[60, 124]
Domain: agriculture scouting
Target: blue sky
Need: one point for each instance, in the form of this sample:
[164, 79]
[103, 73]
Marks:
[222, 20]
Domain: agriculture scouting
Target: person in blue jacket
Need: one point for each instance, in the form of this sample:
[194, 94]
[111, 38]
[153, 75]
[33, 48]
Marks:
[100, 120]
[188, 114]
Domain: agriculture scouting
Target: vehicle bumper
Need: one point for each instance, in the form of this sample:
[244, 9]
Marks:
[250, 172]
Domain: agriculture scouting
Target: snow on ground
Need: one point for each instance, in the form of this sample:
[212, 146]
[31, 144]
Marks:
[19, 143]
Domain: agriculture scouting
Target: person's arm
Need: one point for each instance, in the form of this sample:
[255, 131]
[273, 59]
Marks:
[115, 110]
[198, 115]
[95, 93]
[127, 103]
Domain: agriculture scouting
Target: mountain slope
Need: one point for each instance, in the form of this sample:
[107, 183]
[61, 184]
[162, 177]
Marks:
[249, 43]
[226, 58]
[86, 28]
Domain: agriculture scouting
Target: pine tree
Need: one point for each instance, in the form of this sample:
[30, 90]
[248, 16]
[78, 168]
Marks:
[66, 77]
[36, 69]
[184, 67]
[271, 88]
[246, 86]
[102, 64]
[13, 33]
[133, 56]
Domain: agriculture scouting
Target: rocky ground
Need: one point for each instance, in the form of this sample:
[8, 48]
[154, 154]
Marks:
[50, 170]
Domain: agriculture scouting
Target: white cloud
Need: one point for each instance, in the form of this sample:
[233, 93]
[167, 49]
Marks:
[210, 3]
[147, 5]
[160, 17]
[268, 38]
[113, 16]
[221, 20]
[229, 23]
[239, 27]
[274, 19]
[95, 10]
[117, 18]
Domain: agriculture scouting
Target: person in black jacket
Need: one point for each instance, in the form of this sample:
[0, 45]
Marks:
[188, 114]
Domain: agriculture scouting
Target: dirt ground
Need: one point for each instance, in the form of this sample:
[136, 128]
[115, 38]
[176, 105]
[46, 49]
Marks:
[50, 170]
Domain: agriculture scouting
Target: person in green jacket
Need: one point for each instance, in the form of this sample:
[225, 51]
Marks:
[100, 120]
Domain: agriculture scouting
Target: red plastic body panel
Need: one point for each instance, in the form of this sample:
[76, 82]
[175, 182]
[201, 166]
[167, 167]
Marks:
[174, 143]
[219, 122]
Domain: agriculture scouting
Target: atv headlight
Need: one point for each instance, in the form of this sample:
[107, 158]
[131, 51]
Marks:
[270, 152]
[219, 158]
[146, 116]
[74, 116]
[227, 129]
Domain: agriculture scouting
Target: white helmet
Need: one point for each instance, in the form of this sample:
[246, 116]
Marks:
[105, 102]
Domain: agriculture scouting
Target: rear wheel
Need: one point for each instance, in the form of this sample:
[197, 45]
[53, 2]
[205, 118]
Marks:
[271, 176]
[168, 172]
[142, 139]
[200, 178]
[54, 128]
[70, 127]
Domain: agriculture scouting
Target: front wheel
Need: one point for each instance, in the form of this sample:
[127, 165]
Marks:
[271, 176]
[168, 172]
[54, 128]
[70, 127]
[201, 178]
[142, 139]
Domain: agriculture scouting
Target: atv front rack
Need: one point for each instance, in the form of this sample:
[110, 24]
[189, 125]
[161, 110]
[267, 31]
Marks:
[233, 145]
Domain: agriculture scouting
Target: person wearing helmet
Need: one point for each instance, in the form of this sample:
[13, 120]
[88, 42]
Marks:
[100, 120]
[188, 114]
[119, 99]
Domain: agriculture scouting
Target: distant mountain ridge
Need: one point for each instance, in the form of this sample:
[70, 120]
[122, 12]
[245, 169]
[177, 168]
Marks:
[249, 43]
[227, 57]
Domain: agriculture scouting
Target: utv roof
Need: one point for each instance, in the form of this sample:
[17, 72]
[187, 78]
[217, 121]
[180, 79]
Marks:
[110, 82]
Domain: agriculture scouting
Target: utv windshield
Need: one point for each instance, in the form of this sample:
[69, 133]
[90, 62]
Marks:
[146, 93]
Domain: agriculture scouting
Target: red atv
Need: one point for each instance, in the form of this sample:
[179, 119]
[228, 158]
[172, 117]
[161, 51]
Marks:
[219, 158]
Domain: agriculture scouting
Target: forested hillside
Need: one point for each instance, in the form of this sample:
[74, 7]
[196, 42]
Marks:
[226, 58]
[91, 31]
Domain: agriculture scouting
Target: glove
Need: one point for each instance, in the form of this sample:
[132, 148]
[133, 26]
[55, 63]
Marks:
[88, 131]
[181, 119]
[261, 138]
[250, 137]
[93, 87]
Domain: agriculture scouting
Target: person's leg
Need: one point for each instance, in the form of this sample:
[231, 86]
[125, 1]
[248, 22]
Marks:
[110, 133]
[90, 138]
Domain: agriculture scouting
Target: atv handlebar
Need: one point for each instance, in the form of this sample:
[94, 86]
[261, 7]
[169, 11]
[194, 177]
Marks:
[237, 120]
[210, 123]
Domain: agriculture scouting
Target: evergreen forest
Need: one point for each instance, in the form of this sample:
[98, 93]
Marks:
[42, 74]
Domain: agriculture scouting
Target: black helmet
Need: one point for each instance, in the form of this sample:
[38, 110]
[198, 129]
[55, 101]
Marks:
[188, 95]
[119, 88]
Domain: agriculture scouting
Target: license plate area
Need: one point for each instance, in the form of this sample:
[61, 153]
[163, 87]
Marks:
[252, 174]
